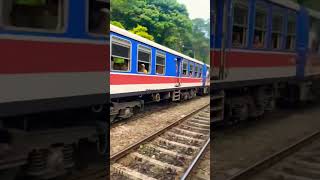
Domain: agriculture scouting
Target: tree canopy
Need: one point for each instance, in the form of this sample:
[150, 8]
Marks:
[166, 22]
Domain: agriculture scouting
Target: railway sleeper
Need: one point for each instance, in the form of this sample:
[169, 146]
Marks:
[156, 162]
[206, 122]
[185, 137]
[188, 135]
[190, 132]
[169, 152]
[196, 128]
[178, 144]
[198, 124]
[132, 174]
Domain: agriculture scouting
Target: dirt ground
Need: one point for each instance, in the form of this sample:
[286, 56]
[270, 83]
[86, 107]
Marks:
[126, 133]
[236, 148]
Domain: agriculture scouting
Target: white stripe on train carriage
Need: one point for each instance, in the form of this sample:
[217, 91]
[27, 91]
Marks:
[140, 74]
[241, 74]
[21, 87]
[117, 89]
[256, 51]
[53, 39]
[150, 43]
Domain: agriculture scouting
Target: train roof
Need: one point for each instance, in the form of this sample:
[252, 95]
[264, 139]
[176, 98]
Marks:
[287, 3]
[295, 6]
[151, 43]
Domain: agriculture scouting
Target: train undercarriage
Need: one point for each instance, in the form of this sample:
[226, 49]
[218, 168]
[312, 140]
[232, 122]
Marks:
[123, 108]
[53, 144]
[231, 105]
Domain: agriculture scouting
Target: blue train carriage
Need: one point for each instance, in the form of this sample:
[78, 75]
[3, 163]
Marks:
[53, 82]
[262, 51]
[142, 70]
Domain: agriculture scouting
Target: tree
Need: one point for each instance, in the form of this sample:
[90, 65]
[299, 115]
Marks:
[166, 21]
[142, 31]
[118, 24]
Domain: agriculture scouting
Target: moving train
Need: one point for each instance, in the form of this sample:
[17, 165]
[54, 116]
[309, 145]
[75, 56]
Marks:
[53, 76]
[144, 71]
[262, 52]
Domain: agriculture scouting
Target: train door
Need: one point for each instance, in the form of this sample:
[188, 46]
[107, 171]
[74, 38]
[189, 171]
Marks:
[178, 71]
[219, 34]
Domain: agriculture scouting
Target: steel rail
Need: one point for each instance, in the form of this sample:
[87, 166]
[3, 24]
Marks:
[195, 161]
[274, 158]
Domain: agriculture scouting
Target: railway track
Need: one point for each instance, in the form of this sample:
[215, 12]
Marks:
[170, 153]
[300, 161]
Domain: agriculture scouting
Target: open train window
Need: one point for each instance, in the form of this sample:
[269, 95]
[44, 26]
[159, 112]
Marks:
[314, 36]
[200, 71]
[240, 23]
[196, 70]
[191, 69]
[291, 33]
[260, 26]
[47, 15]
[144, 60]
[160, 62]
[185, 68]
[277, 29]
[120, 57]
[99, 17]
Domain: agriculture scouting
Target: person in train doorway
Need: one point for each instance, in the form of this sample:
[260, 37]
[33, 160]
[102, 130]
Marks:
[237, 40]
[143, 69]
[26, 13]
[257, 43]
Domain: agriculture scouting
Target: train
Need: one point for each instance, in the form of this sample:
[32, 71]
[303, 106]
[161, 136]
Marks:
[53, 78]
[263, 52]
[144, 71]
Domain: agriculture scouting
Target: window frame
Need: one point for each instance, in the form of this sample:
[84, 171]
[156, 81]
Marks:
[185, 61]
[245, 40]
[61, 30]
[150, 66]
[292, 17]
[279, 33]
[191, 63]
[165, 63]
[87, 20]
[263, 9]
[130, 52]
[196, 70]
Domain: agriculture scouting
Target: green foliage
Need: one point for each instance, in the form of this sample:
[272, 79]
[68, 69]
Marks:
[167, 22]
[118, 24]
[142, 31]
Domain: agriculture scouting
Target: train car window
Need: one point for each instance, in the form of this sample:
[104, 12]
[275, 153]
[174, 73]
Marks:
[98, 17]
[36, 14]
[191, 69]
[314, 36]
[160, 63]
[291, 34]
[200, 71]
[144, 60]
[185, 68]
[240, 23]
[120, 57]
[277, 24]
[196, 70]
[260, 26]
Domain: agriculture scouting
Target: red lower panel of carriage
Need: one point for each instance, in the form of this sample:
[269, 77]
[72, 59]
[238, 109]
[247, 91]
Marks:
[23, 56]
